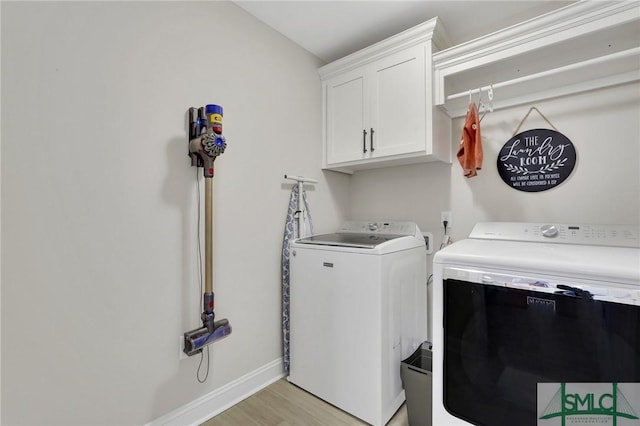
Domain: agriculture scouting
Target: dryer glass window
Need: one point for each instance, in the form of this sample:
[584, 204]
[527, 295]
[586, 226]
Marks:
[500, 342]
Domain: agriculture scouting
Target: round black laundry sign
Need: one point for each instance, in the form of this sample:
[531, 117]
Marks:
[536, 160]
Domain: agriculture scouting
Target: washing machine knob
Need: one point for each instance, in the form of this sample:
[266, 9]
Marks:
[373, 226]
[549, 231]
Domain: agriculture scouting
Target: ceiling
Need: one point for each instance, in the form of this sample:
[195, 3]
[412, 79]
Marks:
[333, 29]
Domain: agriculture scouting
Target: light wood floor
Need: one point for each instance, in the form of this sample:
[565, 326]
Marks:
[283, 404]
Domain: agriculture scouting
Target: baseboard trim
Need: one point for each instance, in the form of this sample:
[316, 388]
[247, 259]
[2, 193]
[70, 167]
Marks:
[199, 410]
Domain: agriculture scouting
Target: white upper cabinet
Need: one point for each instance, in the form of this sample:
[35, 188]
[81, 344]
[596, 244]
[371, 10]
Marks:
[378, 108]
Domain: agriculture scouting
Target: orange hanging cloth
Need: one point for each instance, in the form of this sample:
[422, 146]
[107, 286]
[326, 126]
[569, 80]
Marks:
[470, 151]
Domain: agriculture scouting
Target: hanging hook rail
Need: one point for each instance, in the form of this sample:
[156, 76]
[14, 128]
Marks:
[602, 59]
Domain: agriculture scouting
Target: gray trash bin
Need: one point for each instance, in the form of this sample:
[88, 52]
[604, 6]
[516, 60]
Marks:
[416, 374]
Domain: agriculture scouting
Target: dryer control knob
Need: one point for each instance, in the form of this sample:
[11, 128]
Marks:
[549, 231]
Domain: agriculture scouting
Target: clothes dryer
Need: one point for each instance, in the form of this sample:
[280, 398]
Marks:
[358, 308]
[521, 308]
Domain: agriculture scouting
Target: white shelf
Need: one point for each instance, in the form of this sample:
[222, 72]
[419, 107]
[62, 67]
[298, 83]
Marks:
[581, 47]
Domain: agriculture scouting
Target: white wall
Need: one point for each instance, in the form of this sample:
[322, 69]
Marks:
[604, 188]
[99, 219]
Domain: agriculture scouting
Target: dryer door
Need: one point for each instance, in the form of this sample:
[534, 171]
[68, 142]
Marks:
[500, 342]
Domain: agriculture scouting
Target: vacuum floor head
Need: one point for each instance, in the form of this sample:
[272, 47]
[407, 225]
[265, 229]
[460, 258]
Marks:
[197, 339]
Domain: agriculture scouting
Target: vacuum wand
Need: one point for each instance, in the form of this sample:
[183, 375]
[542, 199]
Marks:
[206, 143]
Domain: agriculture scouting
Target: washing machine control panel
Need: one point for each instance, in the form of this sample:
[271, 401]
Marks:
[386, 228]
[604, 235]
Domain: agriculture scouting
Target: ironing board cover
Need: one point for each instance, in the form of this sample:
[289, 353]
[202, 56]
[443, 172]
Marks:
[290, 234]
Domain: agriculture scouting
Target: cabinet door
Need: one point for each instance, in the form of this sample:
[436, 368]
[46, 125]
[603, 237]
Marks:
[399, 98]
[346, 117]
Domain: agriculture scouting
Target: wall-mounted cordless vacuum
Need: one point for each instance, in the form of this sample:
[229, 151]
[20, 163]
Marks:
[206, 143]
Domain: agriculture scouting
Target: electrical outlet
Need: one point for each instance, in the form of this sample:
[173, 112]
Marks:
[182, 355]
[446, 216]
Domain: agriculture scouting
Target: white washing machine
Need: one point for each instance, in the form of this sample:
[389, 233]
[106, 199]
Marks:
[358, 308]
[518, 305]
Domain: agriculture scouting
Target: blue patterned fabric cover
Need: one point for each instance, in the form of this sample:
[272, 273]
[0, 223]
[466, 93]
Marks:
[290, 234]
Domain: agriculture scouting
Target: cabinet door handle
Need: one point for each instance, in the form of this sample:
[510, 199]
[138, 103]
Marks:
[364, 141]
[371, 140]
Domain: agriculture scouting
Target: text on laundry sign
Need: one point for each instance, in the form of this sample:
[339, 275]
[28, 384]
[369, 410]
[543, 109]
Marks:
[536, 160]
